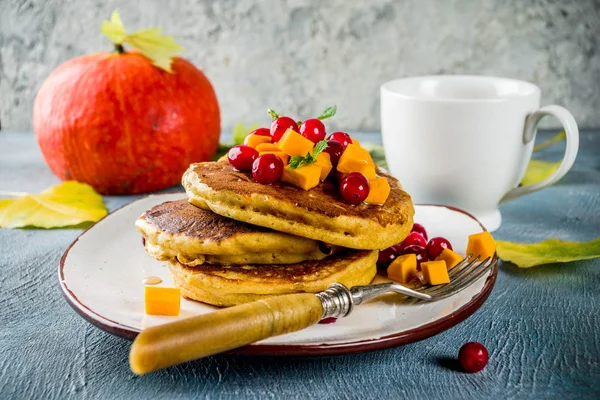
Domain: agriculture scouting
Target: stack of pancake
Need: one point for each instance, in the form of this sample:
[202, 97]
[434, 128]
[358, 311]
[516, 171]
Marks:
[235, 240]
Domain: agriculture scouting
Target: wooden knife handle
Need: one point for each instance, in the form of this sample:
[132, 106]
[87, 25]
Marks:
[204, 335]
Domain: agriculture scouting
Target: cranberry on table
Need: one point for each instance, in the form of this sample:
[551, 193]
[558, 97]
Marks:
[421, 229]
[267, 169]
[436, 245]
[473, 356]
[419, 251]
[354, 188]
[341, 137]
[335, 151]
[413, 238]
[386, 257]
[261, 132]
[242, 157]
[280, 125]
[313, 129]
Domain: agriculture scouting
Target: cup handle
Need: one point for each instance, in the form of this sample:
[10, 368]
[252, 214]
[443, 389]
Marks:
[572, 146]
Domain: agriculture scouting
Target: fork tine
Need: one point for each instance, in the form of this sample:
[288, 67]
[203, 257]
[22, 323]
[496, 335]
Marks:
[458, 286]
[465, 270]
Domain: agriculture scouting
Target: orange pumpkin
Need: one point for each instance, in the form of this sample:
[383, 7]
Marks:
[124, 126]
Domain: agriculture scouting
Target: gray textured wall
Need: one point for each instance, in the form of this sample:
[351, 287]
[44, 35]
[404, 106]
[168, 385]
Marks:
[299, 56]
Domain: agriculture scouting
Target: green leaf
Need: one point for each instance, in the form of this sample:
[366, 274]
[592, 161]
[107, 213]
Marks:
[319, 148]
[561, 136]
[273, 114]
[295, 161]
[538, 170]
[328, 113]
[549, 251]
[160, 49]
[68, 204]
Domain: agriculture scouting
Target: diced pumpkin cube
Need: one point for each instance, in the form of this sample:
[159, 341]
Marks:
[368, 171]
[162, 300]
[451, 258]
[305, 177]
[267, 147]
[379, 191]
[354, 158]
[403, 269]
[435, 272]
[284, 157]
[254, 140]
[324, 161]
[294, 144]
[481, 244]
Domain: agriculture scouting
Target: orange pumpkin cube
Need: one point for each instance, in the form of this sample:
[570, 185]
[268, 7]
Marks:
[294, 144]
[379, 192]
[306, 177]
[481, 244]
[267, 147]
[403, 269]
[324, 161]
[284, 157]
[354, 158]
[451, 258]
[435, 272]
[254, 140]
[162, 300]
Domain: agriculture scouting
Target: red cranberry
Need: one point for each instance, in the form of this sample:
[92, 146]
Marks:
[330, 320]
[280, 125]
[261, 132]
[242, 157]
[143, 241]
[341, 137]
[354, 188]
[421, 229]
[473, 356]
[335, 150]
[386, 257]
[267, 169]
[313, 129]
[419, 251]
[413, 238]
[436, 245]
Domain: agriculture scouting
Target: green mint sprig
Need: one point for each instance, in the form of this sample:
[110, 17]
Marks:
[273, 114]
[328, 113]
[298, 161]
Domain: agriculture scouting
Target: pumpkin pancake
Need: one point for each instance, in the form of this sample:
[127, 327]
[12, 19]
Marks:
[227, 286]
[318, 214]
[193, 236]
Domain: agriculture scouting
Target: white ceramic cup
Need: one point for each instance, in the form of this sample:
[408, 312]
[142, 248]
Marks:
[465, 141]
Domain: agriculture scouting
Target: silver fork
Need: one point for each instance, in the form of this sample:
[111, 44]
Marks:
[203, 335]
[338, 301]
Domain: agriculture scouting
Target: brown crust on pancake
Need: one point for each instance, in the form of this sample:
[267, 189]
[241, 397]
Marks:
[323, 199]
[180, 217]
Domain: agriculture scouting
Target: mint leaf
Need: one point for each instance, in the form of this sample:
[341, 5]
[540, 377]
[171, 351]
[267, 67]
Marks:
[273, 114]
[319, 147]
[328, 113]
[295, 161]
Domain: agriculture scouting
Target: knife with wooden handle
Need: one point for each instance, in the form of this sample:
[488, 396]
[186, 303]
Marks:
[207, 334]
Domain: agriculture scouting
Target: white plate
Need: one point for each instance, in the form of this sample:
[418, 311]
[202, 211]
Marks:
[101, 275]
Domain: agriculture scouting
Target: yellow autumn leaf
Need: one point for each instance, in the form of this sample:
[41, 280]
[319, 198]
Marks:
[70, 203]
[549, 251]
[160, 49]
[560, 136]
[538, 170]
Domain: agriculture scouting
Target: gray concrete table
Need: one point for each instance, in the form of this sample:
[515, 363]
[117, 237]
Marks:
[541, 325]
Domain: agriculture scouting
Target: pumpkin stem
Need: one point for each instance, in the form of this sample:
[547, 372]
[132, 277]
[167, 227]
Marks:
[119, 48]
